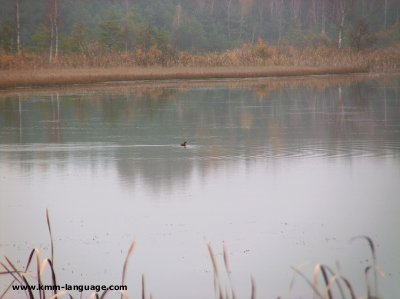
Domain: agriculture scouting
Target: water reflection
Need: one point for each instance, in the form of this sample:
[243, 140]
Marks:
[138, 130]
[282, 170]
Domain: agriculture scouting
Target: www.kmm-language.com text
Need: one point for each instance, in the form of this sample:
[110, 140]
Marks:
[68, 287]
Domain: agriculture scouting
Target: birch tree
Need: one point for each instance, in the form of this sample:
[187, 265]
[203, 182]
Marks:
[228, 11]
[341, 14]
[18, 26]
[340, 9]
[53, 18]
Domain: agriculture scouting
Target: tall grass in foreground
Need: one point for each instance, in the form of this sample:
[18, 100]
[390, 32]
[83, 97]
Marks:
[36, 277]
[331, 279]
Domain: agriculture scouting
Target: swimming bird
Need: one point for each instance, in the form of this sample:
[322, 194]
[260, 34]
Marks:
[184, 144]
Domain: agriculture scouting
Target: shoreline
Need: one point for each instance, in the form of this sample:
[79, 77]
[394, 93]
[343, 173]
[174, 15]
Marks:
[12, 79]
[311, 81]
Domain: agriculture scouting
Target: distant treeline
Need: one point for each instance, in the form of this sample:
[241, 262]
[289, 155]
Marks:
[74, 26]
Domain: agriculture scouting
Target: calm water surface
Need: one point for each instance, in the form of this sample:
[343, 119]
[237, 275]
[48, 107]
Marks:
[283, 173]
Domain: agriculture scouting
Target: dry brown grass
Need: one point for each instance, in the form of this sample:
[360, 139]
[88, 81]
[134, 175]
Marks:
[257, 54]
[70, 76]
[248, 61]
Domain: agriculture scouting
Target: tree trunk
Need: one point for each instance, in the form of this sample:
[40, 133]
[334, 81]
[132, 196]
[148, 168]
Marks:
[56, 27]
[18, 26]
[126, 26]
[314, 12]
[341, 26]
[51, 25]
[280, 17]
[228, 9]
[51, 41]
[53, 16]
[20, 118]
[279, 14]
[323, 17]
[340, 41]
[385, 24]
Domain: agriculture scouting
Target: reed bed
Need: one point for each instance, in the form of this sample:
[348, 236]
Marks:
[257, 54]
[334, 284]
[223, 289]
[248, 61]
[70, 76]
[32, 278]
[261, 87]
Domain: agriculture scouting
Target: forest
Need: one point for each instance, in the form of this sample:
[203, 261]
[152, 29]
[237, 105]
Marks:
[103, 33]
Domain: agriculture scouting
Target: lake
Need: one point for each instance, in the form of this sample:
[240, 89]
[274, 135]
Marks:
[281, 172]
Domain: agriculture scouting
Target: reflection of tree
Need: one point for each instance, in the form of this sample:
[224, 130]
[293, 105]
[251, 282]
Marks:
[20, 118]
[137, 130]
[55, 130]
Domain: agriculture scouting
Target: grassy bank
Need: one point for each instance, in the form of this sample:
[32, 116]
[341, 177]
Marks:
[248, 61]
[69, 76]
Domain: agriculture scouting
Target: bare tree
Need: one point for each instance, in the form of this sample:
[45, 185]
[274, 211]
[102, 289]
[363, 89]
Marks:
[294, 7]
[18, 26]
[278, 6]
[341, 14]
[178, 15]
[51, 32]
[339, 10]
[323, 16]
[53, 17]
[314, 12]
[245, 7]
[212, 6]
[126, 29]
[56, 26]
[385, 12]
[228, 11]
